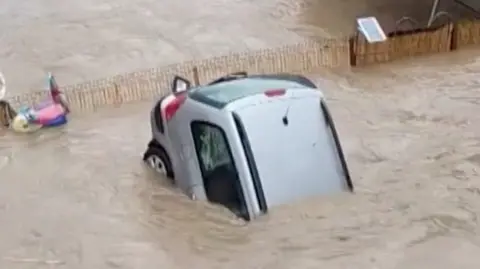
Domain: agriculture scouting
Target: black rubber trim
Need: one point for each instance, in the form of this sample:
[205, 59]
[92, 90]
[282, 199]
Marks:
[157, 115]
[257, 183]
[229, 77]
[331, 125]
[153, 143]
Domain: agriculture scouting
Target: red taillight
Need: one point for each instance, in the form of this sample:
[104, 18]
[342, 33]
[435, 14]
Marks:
[174, 105]
[275, 92]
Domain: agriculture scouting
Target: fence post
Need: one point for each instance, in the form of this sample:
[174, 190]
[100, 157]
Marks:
[353, 55]
[453, 40]
[196, 78]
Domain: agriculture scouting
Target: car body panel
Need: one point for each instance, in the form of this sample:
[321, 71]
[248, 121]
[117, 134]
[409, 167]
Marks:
[293, 148]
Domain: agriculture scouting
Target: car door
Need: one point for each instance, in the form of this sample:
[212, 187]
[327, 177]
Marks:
[211, 137]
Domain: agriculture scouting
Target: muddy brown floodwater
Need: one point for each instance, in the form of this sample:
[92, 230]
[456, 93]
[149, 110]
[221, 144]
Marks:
[79, 197]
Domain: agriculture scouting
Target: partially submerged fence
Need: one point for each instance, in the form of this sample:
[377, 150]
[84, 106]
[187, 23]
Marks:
[149, 83]
[299, 58]
[466, 33]
[422, 41]
[401, 45]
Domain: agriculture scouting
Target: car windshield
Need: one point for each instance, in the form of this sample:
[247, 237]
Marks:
[226, 92]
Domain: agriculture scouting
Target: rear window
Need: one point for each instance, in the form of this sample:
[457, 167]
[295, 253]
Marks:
[219, 95]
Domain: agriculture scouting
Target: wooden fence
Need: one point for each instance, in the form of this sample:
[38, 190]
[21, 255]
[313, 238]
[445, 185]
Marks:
[150, 83]
[466, 33]
[300, 58]
[405, 44]
[401, 45]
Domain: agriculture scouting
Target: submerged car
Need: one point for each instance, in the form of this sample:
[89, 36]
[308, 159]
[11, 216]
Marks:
[248, 142]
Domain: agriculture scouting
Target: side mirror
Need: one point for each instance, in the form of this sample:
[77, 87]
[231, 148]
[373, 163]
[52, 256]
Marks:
[180, 84]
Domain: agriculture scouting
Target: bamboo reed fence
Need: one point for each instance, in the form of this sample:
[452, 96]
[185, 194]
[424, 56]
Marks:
[402, 45]
[150, 83]
[466, 33]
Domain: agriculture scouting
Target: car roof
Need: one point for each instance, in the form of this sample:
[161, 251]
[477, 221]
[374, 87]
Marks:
[221, 94]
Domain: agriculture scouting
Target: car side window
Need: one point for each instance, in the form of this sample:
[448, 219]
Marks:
[211, 146]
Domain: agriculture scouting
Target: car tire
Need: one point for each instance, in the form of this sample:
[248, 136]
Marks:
[158, 159]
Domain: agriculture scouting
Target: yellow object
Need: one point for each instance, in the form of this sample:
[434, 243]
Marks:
[20, 124]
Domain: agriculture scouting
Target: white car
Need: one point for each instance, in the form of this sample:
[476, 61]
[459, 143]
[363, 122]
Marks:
[248, 142]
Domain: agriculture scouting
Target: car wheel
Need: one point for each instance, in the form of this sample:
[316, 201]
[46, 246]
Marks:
[157, 158]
